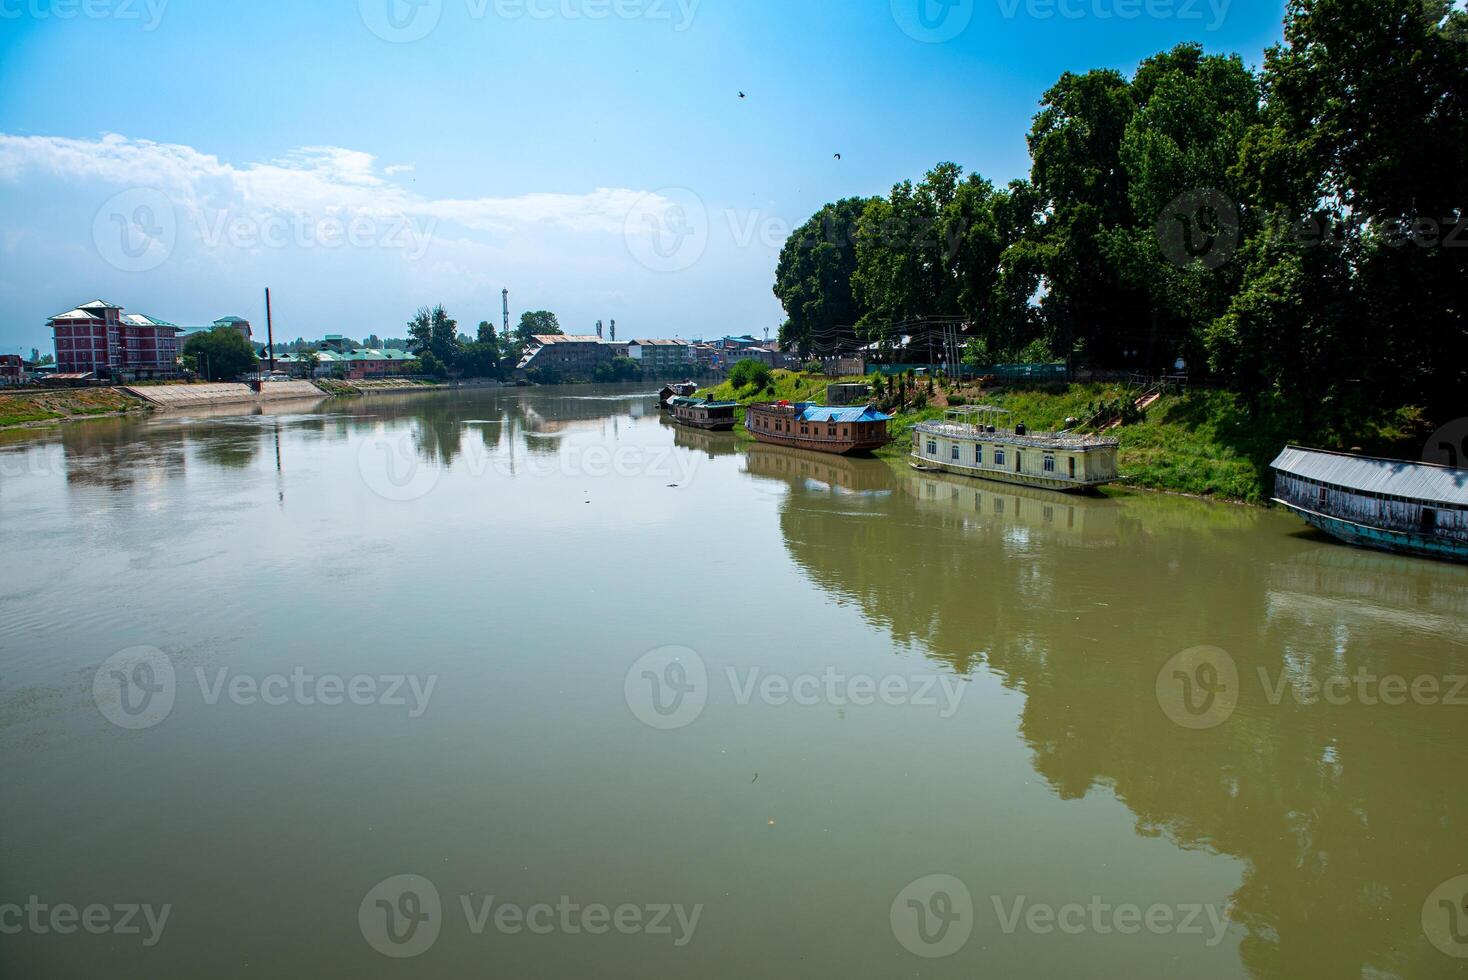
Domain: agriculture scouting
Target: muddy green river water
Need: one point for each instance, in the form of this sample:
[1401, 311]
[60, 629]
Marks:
[534, 683]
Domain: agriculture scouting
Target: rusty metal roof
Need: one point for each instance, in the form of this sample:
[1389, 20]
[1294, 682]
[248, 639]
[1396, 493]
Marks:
[1369, 474]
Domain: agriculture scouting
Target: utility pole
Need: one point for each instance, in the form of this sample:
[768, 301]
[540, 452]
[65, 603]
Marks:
[269, 330]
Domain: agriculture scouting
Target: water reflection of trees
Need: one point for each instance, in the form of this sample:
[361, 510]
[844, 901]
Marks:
[1346, 816]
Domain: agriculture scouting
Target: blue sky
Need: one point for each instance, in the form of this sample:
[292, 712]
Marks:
[366, 157]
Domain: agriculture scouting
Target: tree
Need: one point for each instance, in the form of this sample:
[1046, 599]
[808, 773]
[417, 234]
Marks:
[487, 333]
[813, 280]
[618, 369]
[433, 366]
[434, 330]
[222, 354]
[750, 372]
[538, 323]
[310, 360]
[479, 360]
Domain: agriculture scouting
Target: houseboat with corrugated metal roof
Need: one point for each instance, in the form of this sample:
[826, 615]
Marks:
[1387, 504]
[979, 441]
[683, 389]
[707, 414]
[824, 429]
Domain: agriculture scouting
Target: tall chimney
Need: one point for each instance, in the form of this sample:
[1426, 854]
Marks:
[598, 330]
[614, 330]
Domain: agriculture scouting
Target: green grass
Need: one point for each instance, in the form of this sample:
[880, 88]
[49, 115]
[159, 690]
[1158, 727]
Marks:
[1205, 442]
[52, 406]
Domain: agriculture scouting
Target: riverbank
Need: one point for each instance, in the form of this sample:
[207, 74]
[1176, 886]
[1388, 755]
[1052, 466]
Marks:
[39, 408]
[1204, 442]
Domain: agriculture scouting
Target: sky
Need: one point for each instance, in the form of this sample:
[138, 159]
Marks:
[364, 158]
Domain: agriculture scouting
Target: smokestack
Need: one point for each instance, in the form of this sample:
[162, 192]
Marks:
[598, 330]
[614, 329]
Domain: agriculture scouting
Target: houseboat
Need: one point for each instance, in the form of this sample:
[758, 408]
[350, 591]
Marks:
[980, 441]
[1387, 504]
[704, 414]
[683, 389]
[839, 430]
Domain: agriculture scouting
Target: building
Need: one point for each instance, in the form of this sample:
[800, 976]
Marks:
[352, 363]
[12, 369]
[662, 358]
[98, 338]
[567, 355]
[237, 323]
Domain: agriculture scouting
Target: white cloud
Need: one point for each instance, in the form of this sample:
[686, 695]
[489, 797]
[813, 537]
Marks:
[312, 180]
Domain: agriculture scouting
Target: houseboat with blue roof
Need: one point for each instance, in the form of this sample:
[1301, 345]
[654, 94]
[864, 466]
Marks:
[824, 429]
[1387, 504]
[980, 441]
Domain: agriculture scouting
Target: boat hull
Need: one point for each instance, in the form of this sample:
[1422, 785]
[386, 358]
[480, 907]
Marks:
[1380, 539]
[717, 425]
[835, 447]
[925, 464]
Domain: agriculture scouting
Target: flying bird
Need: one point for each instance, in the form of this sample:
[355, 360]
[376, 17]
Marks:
[742, 95]
[838, 156]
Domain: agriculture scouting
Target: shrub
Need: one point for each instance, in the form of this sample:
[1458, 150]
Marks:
[750, 372]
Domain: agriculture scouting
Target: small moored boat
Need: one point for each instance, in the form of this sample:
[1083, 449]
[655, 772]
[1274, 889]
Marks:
[853, 429]
[704, 414]
[1387, 504]
[977, 441]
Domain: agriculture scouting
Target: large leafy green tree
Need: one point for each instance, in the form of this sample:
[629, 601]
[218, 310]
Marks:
[434, 331]
[813, 280]
[537, 323]
[221, 354]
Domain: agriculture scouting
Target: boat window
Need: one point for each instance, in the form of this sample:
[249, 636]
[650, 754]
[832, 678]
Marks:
[998, 457]
[1049, 464]
[978, 455]
[932, 447]
[955, 452]
[833, 431]
[1072, 467]
[1019, 462]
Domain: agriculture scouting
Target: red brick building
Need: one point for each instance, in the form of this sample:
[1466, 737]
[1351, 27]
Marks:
[12, 369]
[100, 338]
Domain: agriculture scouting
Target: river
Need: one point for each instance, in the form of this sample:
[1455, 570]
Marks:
[534, 683]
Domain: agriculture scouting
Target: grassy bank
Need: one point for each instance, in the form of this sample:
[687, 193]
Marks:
[35, 408]
[1203, 442]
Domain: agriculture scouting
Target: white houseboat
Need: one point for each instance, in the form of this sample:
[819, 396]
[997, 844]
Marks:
[1388, 504]
[980, 442]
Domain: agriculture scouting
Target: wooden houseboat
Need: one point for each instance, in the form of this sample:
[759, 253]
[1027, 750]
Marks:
[683, 389]
[839, 430]
[979, 442]
[704, 414]
[1388, 504]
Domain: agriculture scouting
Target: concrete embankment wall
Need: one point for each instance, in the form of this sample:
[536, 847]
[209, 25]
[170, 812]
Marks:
[186, 396]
